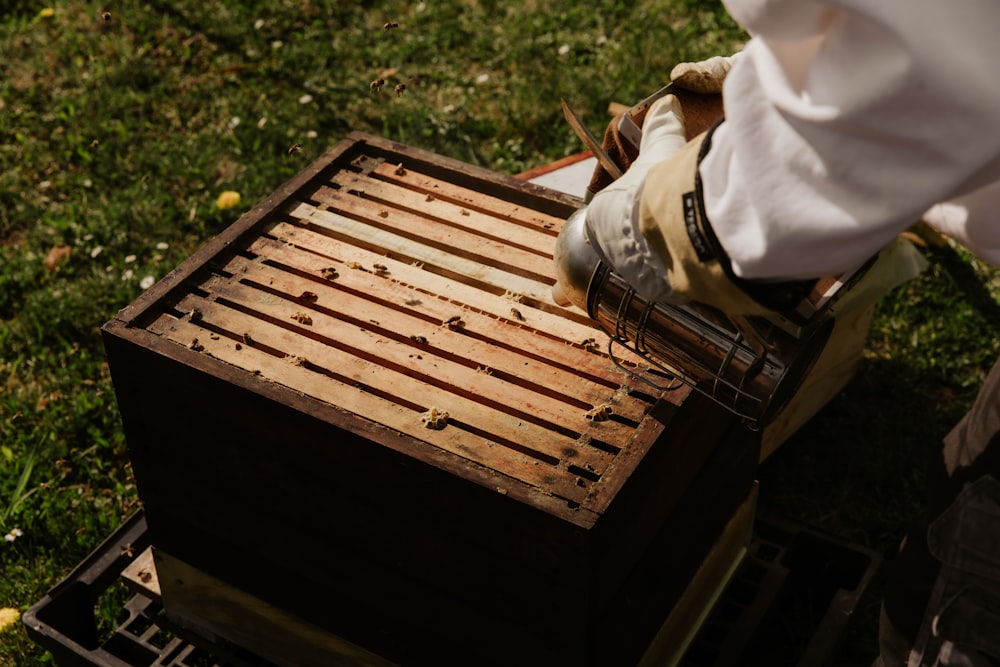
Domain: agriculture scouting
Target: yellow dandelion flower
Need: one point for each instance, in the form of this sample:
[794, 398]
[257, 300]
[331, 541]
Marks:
[228, 199]
[8, 617]
[47, 13]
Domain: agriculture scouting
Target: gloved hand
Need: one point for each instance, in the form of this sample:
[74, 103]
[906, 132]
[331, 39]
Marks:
[612, 220]
[699, 87]
[705, 77]
[650, 227]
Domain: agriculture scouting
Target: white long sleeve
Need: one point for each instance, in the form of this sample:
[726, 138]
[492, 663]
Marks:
[845, 122]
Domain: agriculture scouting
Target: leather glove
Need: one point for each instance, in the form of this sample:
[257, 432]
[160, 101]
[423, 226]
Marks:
[650, 227]
[705, 77]
[700, 89]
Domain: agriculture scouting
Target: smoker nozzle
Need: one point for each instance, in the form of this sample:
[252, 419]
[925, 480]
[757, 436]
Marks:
[575, 262]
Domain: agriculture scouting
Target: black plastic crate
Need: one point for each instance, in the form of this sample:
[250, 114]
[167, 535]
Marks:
[68, 624]
[795, 587]
[788, 602]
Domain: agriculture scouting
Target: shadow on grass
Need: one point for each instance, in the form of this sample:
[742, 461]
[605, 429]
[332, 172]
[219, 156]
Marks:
[857, 471]
[969, 283]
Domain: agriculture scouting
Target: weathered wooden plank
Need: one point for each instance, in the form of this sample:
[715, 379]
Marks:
[141, 577]
[552, 321]
[392, 309]
[510, 445]
[496, 222]
[212, 607]
[705, 588]
[361, 332]
[464, 196]
[455, 239]
[568, 324]
[520, 244]
[370, 237]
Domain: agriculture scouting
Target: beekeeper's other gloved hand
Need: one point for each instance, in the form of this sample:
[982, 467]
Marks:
[705, 77]
[699, 87]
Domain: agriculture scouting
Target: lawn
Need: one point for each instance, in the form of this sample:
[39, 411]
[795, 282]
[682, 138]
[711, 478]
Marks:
[121, 125]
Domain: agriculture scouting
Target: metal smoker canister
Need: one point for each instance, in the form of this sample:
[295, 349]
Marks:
[750, 366]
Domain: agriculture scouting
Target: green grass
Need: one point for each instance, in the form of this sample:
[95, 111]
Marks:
[117, 136]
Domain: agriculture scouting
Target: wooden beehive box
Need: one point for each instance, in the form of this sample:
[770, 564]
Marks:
[360, 404]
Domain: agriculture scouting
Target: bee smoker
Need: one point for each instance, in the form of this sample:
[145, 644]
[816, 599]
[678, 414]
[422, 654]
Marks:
[751, 366]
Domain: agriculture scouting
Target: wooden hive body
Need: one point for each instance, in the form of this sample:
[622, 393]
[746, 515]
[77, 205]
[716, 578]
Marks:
[284, 394]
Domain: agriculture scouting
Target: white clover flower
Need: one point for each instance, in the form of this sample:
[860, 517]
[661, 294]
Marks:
[127, 275]
[13, 535]
[234, 122]
[564, 49]
[162, 245]
[306, 99]
[129, 259]
[482, 78]
[147, 282]
[96, 251]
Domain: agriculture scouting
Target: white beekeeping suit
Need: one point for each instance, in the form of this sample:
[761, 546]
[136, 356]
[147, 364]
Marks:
[846, 122]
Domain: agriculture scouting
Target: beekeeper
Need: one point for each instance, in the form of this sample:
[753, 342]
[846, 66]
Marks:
[845, 123]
